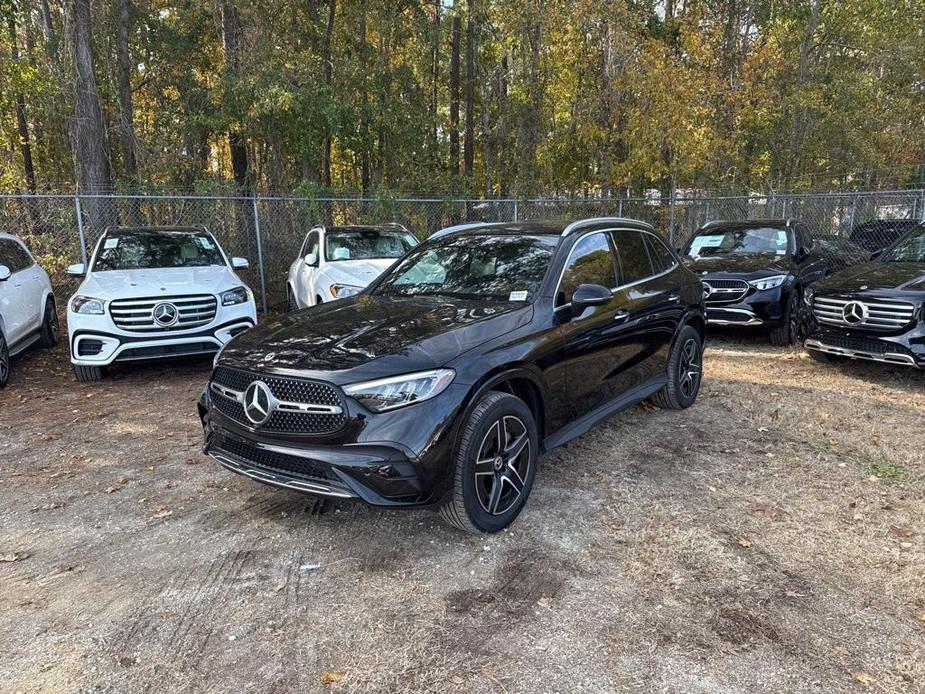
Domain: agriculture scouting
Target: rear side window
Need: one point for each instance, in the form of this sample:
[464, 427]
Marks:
[633, 255]
[662, 259]
[14, 256]
[590, 262]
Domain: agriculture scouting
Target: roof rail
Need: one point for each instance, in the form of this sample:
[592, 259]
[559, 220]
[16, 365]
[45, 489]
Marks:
[582, 223]
[446, 231]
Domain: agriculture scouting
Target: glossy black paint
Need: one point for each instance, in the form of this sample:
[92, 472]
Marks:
[806, 262]
[573, 366]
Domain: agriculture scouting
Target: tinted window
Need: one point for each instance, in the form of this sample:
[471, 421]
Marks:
[590, 262]
[363, 244]
[477, 266]
[662, 259]
[156, 249]
[717, 241]
[910, 250]
[634, 257]
[14, 256]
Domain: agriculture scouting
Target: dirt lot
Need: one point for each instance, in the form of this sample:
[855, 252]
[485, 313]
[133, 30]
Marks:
[770, 538]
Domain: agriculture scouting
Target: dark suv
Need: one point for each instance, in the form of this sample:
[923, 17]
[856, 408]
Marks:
[874, 311]
[445, 379]
[754, 272]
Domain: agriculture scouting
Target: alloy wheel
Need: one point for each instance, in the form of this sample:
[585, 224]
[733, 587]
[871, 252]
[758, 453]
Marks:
[53, 325]
[4, 360]
[502, 465]
[689, 369]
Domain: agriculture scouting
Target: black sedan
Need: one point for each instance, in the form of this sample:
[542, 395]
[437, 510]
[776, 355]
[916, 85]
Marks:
[445, 380]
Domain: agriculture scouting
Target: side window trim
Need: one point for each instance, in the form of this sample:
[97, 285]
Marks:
[652, 240]
[649, 277]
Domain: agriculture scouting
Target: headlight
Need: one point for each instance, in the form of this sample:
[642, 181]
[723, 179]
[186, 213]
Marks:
[768, 282]
[398, 391]
[340, 291]
[87, 305]
[238, 295]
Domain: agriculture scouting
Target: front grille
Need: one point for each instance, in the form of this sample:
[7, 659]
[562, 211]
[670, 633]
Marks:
[860, 344]
[880, 314]
[720, 291]
[157, 351]
[272, 460]
[137, 315]
[296, 390]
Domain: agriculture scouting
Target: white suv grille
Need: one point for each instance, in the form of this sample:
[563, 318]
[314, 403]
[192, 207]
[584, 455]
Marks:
[885, 314]
[174, 312]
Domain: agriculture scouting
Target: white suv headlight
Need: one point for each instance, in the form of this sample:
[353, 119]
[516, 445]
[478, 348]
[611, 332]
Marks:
[342, 291]
[398, 391]
[768, 282]
[238, 295]
[87, 305]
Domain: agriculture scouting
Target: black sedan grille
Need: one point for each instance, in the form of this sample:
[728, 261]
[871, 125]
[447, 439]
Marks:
[720, 291]
[273, 460]
[294, 390]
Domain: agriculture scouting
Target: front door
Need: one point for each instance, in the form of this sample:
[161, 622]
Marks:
[305, 277]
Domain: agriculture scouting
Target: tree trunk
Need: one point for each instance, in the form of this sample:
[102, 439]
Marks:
[231, 33]
[127, 131]
[799, 124]
[89, 130]
[22, 125]
[327, 75]
[531, 120]
[435, 75]
[454, 98]
[468, 145]
[364, 105]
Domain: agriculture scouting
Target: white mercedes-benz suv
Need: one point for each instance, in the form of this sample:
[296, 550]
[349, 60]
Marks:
[27, 305]
[340, 261]
[152, 293]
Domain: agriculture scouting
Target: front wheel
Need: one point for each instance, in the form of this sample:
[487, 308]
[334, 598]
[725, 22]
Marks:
[88, 374]
[495, 465]
[685, 372]
[290, 301]
[786, 333]
[50, 328]
[4, 361]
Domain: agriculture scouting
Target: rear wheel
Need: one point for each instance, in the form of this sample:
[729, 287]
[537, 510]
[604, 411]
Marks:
[50, 327]
[495, 465]
[685, 372]
[4, 361]
[88, 374]
[786, 333]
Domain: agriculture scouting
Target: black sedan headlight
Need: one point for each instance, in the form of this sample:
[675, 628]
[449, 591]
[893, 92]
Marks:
[390, 393]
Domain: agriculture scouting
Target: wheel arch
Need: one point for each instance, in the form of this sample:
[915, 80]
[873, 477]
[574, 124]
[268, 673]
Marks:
[524, 381]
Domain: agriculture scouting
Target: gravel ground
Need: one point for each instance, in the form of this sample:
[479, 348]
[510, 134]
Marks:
[770, 538]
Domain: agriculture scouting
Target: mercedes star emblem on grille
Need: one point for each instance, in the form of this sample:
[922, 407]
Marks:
[855, 312]
[166, 314]
[258, 402]
[707, 290]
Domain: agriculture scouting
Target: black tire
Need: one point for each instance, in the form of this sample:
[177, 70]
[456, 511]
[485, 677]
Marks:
[824, 358]
[88, 374]
[290, 301]
[685, 372]
[50, 327]
[493, 475]
[785, 334]
[4, 361]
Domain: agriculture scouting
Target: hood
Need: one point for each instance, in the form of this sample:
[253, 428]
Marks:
[125, 284]
[369, 337]
[748, 266]
[357, 272]
[876, 276]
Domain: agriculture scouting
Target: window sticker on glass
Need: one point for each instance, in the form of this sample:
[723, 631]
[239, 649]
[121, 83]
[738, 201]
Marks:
[704, 242]
[109, 244]
[205, 242]
[518, 296]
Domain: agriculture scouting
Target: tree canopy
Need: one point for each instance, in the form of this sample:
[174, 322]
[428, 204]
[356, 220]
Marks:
[479, 97]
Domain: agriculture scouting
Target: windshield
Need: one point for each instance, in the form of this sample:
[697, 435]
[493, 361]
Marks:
[478, 266]
[363, 244]
[721, 242]
[141, 250]
[910, 250]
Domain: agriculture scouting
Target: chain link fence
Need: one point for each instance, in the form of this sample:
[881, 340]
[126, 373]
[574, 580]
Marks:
[268, 231]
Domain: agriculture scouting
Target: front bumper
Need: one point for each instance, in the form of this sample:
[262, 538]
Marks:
[96, 341]
[765, 308]
[906, 349]
[391, 459]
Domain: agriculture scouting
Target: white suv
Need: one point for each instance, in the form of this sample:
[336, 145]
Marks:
[340, 261]
[27, 305]
[155, 292]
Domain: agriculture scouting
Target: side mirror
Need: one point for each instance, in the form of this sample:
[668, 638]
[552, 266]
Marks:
[311, 259]
[590, 295]
[77, 270]
[5, 273]
[239, 263]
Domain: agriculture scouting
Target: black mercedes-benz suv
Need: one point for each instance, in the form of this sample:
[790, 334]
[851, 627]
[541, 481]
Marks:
[754, 272]
[874, 311]
[443, 382]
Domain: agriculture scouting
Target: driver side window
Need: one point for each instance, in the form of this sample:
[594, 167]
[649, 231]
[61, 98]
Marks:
[590, 262]
[311, 244]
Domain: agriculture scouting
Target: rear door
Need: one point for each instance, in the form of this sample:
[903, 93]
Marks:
[17, 294]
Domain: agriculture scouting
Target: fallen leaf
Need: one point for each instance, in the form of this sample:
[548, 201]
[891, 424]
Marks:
[110, 490]
[896, 531]
[48, 507]
[921, 617]
[863, 677]
[745, 542]
[767, 511]
[15, 556]
[331, 677]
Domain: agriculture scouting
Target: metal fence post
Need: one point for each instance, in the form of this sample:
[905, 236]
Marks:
[671, 217]
[854, 212]
[260, 272]
[515, 210]
[922, 207]
[80, 230]
[620, 207]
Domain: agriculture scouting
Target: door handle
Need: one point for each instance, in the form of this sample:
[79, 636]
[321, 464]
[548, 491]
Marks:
[621, 315]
